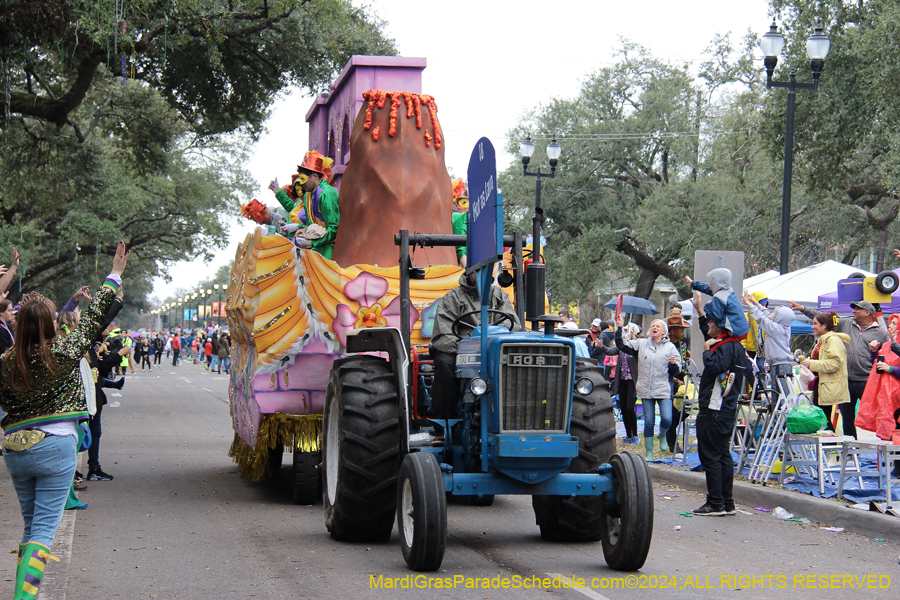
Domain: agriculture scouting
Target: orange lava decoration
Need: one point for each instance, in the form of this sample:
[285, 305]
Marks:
[395, 104]
[414, 102]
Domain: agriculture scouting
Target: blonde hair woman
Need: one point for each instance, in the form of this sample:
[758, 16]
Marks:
[658, 361]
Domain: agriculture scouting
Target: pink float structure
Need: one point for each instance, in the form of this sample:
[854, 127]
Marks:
[289, 309]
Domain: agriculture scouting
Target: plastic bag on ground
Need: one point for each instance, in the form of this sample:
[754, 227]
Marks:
[780, 513]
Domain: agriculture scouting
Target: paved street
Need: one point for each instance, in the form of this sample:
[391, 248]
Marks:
[179, 522]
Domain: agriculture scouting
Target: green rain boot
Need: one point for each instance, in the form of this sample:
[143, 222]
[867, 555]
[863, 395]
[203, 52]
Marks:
[30, 570]
[663, 442]
[648, 448]
[72, 502]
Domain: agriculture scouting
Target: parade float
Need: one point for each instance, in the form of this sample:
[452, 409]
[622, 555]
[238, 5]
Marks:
[290, 309]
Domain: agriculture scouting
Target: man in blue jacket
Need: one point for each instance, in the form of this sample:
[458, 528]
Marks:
[725, 364]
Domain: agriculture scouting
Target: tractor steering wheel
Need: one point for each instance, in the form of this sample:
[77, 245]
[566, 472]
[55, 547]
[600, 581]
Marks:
[504, 316]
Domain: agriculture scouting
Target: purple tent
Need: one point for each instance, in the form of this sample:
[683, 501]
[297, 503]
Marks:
[829, 302]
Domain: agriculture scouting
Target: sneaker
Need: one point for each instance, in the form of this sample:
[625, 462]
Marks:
[79, 487]
[708, 511]
[730, 510]
[78, 477]
[99, 475]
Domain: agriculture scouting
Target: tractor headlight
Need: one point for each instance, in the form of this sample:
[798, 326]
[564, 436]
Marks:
[584, 386]
[478, 386]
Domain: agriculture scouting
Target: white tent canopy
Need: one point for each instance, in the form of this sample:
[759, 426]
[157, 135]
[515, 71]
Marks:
[758, 279]
[803, 286]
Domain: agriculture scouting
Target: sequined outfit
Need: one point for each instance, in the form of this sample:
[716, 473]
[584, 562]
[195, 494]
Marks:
[55, 397]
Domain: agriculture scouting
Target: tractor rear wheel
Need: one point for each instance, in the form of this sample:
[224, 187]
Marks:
[628, 523]
[361, 449]
[580, 518]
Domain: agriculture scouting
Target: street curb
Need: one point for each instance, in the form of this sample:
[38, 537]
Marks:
[819, 510]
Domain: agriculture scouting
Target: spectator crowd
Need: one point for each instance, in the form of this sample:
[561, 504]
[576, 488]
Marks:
[852, 370]
[55, 368]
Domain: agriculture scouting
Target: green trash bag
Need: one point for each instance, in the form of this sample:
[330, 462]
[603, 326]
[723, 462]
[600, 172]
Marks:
[805, 418]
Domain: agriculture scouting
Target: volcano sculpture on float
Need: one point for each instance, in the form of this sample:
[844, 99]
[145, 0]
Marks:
[396, 179]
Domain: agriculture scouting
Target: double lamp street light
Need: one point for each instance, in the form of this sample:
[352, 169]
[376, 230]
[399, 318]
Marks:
[817, 47]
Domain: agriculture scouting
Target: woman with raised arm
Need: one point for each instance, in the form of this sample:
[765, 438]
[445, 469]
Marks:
[658, 361]
[42, 392]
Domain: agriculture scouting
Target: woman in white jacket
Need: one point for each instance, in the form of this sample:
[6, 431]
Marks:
[658, 362]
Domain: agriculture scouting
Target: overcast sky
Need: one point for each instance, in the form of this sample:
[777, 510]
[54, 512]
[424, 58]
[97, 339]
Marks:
[491, 62]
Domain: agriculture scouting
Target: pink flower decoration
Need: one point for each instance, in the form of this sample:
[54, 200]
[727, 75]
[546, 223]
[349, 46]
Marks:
[367, 291]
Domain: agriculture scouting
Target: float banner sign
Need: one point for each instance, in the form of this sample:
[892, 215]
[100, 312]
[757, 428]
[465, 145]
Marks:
[485, 231]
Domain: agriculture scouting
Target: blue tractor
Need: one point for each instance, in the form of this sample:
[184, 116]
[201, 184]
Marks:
[533, 419]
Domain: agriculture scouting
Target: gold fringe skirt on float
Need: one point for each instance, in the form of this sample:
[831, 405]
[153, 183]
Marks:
[301, 433]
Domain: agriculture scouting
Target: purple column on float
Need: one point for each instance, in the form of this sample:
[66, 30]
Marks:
[332, 114]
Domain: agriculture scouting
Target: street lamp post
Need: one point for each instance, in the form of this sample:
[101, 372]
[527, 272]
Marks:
[209, 293]
[219, 298]
[817, 47]
[553, 152]
[535, 275]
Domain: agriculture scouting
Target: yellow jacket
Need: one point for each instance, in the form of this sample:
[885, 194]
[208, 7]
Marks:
[749, 342]
[831, 366]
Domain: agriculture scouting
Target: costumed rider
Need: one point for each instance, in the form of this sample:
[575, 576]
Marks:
[455, 303]
[460, 217]
[290, 197]
[318, 229]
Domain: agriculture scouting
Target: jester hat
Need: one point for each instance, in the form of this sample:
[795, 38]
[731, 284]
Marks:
[316, 163]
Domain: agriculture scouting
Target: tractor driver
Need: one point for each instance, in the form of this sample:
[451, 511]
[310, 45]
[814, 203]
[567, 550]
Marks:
[455, 303]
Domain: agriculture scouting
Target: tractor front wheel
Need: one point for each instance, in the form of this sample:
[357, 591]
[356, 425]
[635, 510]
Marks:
[628, 522]
[421, 512]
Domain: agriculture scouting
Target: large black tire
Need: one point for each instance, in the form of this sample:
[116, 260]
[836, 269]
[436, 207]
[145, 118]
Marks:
[421, 512]
[580, 519]
[629, 522]
[361, 450]
[306, 477]
[887, 282]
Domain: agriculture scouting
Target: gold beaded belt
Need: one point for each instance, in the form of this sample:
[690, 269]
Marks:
[23, 439]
